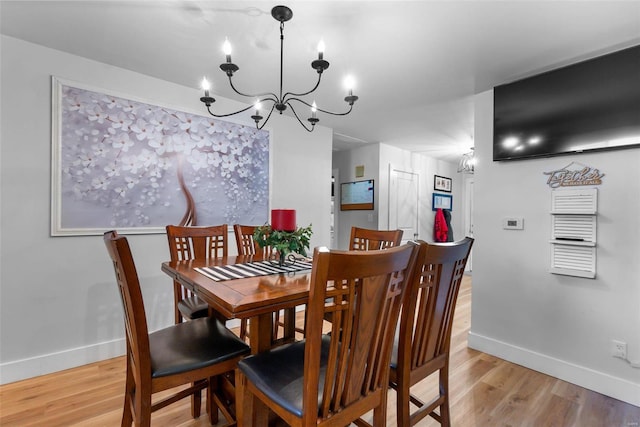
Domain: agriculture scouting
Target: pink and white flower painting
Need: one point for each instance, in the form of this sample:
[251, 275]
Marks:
[126, 164]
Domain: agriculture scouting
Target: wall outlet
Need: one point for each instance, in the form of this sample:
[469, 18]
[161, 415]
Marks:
[619, 349]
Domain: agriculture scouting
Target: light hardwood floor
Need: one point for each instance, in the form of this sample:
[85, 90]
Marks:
[485, 391]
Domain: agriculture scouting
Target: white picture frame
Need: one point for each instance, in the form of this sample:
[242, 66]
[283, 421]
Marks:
[126, 164]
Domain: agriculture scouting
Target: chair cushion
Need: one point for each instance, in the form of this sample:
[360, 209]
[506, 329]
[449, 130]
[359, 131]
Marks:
[279, 373]
[193, 308]
[192, 345]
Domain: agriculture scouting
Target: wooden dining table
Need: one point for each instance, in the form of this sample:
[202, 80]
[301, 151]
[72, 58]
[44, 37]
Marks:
[254, 298]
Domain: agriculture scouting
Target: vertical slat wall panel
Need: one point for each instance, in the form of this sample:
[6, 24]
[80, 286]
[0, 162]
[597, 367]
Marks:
[573, 232]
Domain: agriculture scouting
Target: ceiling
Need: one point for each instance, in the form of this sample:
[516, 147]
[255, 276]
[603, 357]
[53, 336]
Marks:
[417, 64]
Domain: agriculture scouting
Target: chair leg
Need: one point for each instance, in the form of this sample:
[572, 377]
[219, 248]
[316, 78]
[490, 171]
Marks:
[129, 390]
[402, 405]
[445, 414]
[196, 401]
[380, 413]
[212, 407]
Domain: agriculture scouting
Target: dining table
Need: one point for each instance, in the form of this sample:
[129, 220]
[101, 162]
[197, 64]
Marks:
[255, 297]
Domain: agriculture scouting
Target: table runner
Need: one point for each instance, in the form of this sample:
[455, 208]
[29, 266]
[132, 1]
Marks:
[251, 269]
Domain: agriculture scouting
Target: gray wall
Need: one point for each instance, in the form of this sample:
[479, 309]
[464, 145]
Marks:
[59, 306]
[559, 325]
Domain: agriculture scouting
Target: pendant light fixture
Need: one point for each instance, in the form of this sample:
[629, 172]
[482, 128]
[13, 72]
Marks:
[467, 162]
[280, 101]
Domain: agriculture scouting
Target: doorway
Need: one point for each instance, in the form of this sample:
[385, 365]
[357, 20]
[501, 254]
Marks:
[403, 202]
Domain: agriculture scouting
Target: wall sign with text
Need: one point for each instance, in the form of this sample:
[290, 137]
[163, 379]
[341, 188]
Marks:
[573, 175]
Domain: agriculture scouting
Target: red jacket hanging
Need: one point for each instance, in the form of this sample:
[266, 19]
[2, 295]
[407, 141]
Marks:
[440, 228]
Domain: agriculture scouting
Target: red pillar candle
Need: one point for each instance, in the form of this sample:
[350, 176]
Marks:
[283, 219]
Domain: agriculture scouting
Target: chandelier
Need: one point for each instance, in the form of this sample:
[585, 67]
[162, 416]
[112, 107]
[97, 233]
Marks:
[280, 102]
[467, 162]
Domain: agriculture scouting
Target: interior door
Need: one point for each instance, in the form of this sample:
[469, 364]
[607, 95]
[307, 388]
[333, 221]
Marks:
[403, 202]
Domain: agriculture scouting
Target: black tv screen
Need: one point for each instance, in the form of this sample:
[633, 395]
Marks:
[591, 105]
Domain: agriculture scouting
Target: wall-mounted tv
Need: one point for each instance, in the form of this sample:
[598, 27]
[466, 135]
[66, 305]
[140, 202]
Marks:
[591, 105]
[356, 195]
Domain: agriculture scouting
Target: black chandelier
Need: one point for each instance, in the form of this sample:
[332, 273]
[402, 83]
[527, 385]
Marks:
[279, 102]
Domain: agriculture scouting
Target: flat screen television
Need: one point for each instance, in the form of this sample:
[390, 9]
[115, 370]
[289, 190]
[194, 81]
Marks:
[590, 105]
[356, 195]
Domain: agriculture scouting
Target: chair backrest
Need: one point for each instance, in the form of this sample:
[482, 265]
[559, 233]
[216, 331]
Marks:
[427, 315]
[364, 292]
[187, 243]
[244, 239]
[363, 239]
[135, 321]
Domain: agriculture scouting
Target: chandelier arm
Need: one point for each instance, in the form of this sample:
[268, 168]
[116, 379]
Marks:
[297, 117]
[229, 114]
[320, 109]
[293, 94]
[267, 119]
[257, 95]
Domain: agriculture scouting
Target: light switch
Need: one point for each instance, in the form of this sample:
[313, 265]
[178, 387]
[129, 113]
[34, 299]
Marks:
[513, 223]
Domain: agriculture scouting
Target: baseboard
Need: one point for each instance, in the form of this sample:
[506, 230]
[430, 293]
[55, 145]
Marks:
[599, 382]
[54, 362]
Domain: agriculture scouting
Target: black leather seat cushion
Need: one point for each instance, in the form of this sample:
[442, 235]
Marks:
[191, 345]
[193, 308]
[279, 373]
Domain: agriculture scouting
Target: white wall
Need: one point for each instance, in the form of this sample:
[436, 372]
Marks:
[376, 158]
[59, 306]
[559, 325]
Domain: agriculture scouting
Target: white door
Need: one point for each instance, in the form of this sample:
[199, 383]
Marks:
[404, 202]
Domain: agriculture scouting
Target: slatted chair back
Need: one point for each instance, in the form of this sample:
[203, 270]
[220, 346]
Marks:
[137, 332]
[244, 240]
[186, 243]
[363, 239]
[424, 338]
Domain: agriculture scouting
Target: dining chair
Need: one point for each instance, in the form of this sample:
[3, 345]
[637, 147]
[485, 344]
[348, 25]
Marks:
[421, 347]
[247, 245]
[364, 239]
[333, 379]
[187, 243]
[244, 240]
[190, 352]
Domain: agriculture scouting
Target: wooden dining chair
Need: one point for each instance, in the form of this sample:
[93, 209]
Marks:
[333, 379]
[421, 347]
[363, 239]
[190, 352]
[187, 243]
[245, 242]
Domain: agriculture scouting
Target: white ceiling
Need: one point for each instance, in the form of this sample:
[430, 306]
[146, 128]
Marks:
[417, 63]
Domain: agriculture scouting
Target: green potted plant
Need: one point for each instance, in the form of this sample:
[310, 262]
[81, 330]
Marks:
[284, 242]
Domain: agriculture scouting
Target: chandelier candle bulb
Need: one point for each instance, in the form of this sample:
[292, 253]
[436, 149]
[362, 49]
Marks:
[283, 219]
[226, 48]
[321, 49]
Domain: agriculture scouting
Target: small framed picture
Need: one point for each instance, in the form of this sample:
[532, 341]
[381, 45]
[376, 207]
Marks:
[442, 201]
[441, 183]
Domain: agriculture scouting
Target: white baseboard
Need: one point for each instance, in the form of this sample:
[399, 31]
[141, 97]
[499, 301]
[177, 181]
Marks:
[54, 362]
[608, 385]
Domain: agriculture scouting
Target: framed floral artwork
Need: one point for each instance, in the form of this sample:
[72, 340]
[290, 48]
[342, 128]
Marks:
[124, 164]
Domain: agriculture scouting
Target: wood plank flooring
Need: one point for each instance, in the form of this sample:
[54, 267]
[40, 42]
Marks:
[485, 391]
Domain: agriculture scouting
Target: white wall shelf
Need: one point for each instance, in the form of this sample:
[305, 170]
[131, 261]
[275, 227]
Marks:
[573, 232]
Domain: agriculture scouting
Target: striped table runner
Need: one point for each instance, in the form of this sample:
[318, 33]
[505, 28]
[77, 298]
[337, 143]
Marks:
[252, 269]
